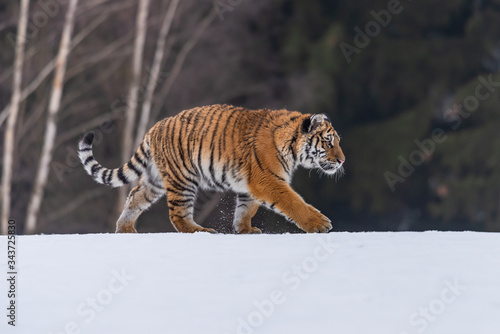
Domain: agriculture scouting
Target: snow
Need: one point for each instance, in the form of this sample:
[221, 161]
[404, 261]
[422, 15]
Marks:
[377, 283]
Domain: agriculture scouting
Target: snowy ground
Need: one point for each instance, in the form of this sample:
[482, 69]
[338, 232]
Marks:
[376, 283]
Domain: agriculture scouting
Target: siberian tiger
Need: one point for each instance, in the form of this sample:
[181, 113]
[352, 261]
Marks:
[221, 147]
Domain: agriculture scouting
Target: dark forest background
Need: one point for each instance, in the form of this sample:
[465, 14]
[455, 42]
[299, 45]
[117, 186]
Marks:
[415, 97]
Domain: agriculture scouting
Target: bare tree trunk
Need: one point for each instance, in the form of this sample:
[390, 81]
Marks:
[179, 60]
[128, 131]
[155, 71]
[49, 67]
[8, 152]
[51, 129]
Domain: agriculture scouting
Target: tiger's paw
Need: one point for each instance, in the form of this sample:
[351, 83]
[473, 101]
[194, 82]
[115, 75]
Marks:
[316, 222]
[251, 230]
[126, 229]
[204, 229]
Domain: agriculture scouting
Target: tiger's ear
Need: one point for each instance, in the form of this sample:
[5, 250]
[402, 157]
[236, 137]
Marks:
[311, 123]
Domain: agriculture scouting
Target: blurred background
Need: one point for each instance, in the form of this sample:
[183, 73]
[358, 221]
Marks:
[413, 87]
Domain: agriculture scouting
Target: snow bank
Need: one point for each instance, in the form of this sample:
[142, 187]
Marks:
[401, 283]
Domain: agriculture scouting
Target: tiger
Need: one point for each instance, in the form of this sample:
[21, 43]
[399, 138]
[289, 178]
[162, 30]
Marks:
[253, 153]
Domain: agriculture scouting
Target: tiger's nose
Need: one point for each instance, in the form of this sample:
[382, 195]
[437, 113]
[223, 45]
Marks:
[340, 161]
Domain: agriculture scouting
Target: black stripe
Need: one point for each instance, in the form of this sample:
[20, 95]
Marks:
[282, 162]
[95, 168]
[308, 148]
[236, 125]
[132, 167]
[110, 176]
[254, 135]
[181, 191]
[179, 146]
[143, 151]
[150, 179]
[212, 172]
[237, 178]
[257, 159]
[88, 138]
[257, 128]
[292, 142]
[177, 192]
[181, 186]
[229, 119]
[280, 157]
[156, 192]
[212, 115]
[172, 174]
[277, 176]
[155, 185]
[181, 150]
[103, 177]
[139, 160]
[176, 175]
[179, 216]
[171, 135]
[121, 176]
[318, 141]
[181, 202]
[219, 145]
[185, 134]
[85, 149]
[173, 161]
[212, 146]
[190, 137]
[89, 159]
[224, 171]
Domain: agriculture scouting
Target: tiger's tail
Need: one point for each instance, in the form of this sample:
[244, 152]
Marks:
[117, 177]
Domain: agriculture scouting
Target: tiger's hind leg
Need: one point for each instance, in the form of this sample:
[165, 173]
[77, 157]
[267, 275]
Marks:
[140, 198]
[181, 208]
[246, 208]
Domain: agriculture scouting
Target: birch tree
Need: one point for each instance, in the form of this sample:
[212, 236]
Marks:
[51, 125]
[131, 112]
[179, 61]
[8, 152]
[155, 71]
[49, 67]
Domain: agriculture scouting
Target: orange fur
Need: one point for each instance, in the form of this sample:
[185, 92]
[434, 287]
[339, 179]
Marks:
[220, 147]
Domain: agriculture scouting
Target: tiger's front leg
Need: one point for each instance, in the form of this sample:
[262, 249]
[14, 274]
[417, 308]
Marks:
[282, 198]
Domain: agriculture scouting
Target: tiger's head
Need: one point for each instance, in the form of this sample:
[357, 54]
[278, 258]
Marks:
[321, 145]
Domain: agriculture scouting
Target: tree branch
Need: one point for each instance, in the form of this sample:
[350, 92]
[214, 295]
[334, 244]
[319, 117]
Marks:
[155, 71]
[51, 128]
[179, 61]
[8, 154]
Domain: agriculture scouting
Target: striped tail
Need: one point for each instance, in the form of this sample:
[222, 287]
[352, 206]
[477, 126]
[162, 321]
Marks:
[117, 177]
